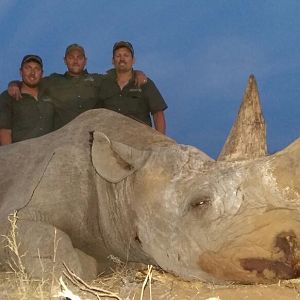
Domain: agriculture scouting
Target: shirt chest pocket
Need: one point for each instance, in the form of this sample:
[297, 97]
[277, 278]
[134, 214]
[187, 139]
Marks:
[134, 93]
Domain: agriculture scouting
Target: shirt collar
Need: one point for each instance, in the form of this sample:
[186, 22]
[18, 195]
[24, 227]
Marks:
[84, 73]
[111, 73]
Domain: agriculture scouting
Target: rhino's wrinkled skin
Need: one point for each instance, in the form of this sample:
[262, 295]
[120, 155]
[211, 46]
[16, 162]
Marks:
[105, 184]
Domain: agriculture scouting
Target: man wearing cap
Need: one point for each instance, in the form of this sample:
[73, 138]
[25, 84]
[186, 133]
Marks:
[73, 92]
[34, 115]
[76, 90]
[120, 93]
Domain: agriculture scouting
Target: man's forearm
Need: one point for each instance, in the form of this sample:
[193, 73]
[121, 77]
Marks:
[139, 78]
[5, 137]
[14, 89]
[159, 122]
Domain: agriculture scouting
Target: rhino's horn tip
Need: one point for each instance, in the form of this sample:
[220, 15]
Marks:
[251, 80]
[247, 138]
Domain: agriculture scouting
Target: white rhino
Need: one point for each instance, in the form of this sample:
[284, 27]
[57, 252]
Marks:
[105, 184]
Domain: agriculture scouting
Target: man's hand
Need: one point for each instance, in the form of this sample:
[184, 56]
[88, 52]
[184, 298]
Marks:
[14, 90]
[5, 136]
[139, 78]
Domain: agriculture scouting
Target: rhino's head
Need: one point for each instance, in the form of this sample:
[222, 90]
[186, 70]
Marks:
[212, 220]
[237, 218]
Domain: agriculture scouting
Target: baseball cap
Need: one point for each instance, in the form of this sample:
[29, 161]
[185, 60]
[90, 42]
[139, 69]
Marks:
[32, 57]
[75, 47]
[122, 44]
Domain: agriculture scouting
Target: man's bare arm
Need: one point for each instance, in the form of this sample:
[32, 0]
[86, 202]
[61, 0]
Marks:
[139, 78]
[14, 89]
[5, 137]
[159, 122]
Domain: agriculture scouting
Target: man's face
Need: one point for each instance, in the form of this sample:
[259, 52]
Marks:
[123, 60]
[75, 62]
[31, 73]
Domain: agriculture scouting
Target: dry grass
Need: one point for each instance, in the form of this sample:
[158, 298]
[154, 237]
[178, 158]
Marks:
[14, 247]
[132, 282]
[18, 281]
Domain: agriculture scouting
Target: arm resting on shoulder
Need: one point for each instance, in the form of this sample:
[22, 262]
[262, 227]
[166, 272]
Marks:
[139, 78]
[5, 137]
[159, 121]
[14, 89]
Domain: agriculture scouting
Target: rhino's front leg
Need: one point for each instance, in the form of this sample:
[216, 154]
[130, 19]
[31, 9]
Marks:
[45, 248]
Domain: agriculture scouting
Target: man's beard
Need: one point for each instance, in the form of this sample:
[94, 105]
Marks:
[30, 85]
[33, 85]
[123, 68]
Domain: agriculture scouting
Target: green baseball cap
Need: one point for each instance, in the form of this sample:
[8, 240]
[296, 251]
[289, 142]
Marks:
[32, 57]
[75, 47]
[123, 44]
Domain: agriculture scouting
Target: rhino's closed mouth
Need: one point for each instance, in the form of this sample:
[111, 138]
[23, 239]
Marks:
[269, 269]
[286, 268]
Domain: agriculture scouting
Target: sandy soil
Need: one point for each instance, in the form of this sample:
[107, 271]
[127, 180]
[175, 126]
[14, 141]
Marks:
[128, 284]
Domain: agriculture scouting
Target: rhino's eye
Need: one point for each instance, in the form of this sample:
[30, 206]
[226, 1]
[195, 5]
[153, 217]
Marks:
[198, 205]
[200, 202]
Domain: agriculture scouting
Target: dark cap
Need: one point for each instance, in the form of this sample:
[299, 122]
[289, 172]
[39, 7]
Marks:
[75, 47]
[32, 57]
[123, 44]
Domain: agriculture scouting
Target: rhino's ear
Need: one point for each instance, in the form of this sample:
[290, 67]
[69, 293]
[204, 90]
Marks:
[114, 161]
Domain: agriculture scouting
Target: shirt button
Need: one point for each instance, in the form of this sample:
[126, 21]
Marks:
[41, 128]
[78, 96]
[119, 109]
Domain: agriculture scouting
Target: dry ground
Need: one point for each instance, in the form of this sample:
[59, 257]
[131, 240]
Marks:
[138, 282]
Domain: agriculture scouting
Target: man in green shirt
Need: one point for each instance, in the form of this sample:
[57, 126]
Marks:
[76, 90]
[34, 115]
[120, 93]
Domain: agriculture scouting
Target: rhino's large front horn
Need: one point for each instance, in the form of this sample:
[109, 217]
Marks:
[247, 138]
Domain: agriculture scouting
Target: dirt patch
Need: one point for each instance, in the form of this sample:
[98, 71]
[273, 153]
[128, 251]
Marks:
[138, 283]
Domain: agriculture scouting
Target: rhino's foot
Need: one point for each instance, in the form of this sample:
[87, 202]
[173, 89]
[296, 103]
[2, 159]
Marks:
[44, 249]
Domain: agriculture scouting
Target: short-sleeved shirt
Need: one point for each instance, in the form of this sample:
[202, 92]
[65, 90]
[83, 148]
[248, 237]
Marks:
[27, 118]
[72, 95]
[131, 101]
